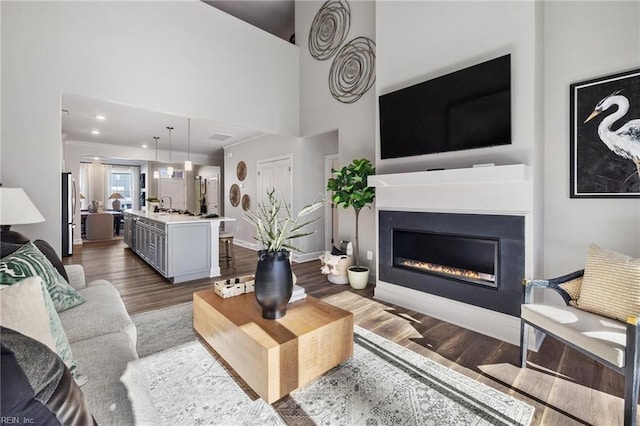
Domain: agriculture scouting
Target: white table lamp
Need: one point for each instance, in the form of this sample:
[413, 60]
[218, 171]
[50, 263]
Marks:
[116, 196]
[16, 209]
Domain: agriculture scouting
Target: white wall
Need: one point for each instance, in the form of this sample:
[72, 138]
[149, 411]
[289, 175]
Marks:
[183, 58]
[320, 112]
[260, 148]
[309, 170]
[583, 40]
[420, 40]
[308, 183]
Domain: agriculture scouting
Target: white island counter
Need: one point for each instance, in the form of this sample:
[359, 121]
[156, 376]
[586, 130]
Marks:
[180, 247]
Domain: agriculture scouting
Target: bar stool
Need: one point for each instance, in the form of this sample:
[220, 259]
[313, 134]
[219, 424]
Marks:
[227, 239]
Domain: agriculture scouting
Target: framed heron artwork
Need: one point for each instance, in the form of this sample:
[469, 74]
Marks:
[605, 137]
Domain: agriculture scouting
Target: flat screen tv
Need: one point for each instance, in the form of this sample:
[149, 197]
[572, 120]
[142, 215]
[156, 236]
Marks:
[469, 108]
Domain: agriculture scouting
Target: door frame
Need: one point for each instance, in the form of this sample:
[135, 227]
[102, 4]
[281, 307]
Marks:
[328, 209]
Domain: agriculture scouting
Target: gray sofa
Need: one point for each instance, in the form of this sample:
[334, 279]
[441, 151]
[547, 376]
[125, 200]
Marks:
[103, 342]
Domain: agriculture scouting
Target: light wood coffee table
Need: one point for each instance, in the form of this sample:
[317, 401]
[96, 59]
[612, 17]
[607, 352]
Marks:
[274, 357]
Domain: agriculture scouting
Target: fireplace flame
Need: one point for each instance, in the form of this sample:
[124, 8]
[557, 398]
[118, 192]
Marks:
[447, 270]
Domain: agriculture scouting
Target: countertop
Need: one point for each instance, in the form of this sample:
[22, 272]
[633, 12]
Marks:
[169, 218]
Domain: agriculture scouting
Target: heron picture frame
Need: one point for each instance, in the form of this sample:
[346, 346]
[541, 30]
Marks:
[603, 135]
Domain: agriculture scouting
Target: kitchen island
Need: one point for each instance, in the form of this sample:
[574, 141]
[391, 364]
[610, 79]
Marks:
[180, 247]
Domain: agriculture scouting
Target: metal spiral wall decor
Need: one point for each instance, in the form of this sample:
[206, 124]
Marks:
[329, 29]
[353, 70]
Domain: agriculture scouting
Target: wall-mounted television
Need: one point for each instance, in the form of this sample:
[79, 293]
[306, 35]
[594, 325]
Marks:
[466, 109]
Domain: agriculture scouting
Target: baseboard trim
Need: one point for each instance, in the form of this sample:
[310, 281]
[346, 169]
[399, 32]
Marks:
[245, 244]
[306, 257]
[494, 324]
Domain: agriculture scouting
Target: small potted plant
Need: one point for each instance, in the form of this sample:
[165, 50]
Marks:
[350, 189]
[275, 228]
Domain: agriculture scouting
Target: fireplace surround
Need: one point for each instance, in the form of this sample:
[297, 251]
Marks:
[502, 190]
[472, 258]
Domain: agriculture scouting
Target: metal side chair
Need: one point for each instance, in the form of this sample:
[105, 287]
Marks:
[610, 342]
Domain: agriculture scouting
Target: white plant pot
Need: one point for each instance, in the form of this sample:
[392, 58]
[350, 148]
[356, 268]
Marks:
[358, 280]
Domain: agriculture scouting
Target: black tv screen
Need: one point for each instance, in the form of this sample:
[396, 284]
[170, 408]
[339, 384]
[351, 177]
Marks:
[469, 108]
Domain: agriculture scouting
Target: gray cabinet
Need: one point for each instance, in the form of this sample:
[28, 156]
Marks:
[151, 242]
[179, 248]
[129, 230]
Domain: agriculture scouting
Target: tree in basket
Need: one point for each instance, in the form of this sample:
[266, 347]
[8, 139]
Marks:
[275, 228]
[350, 189]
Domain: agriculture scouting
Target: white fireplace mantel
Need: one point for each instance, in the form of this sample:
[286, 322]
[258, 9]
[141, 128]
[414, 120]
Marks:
[504, 190]
[514, 173]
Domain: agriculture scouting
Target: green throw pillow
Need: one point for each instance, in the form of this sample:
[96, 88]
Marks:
[27, 262]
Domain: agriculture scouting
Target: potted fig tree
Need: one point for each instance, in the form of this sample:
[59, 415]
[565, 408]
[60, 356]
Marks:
[350, 189]
[275, 228]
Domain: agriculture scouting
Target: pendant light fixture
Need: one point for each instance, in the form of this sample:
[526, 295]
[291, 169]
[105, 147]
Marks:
[156, 172]
[188, 165]
[170, 168]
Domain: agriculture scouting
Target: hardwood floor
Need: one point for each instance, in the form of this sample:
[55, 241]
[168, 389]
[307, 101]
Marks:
[565, 387]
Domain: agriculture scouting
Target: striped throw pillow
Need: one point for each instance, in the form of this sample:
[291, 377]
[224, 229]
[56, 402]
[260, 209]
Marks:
[611, 284]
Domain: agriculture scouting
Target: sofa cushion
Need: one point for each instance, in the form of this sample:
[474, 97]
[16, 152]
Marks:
[28, 261]
[42, 389]
[106, 359]
[102, 313]
[596, 334]
[62, 347]
[51, 255]
[22, 309]
[7, 248]
[611, 284]
[76, 276]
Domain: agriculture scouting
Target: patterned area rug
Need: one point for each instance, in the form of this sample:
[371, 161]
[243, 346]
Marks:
[382, 384]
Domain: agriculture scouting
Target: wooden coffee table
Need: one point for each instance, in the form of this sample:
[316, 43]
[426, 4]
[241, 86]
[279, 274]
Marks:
[274, 357]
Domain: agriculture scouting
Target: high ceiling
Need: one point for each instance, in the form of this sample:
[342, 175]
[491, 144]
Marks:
[273, 16]
[125, 125]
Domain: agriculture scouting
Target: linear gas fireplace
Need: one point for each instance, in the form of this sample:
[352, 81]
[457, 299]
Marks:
[475, 259]
[465, 259]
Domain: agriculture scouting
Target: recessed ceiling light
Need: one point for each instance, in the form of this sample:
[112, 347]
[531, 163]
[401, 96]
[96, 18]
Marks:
[145, 146]
[100, 117]
[96, 158]
[95, 132]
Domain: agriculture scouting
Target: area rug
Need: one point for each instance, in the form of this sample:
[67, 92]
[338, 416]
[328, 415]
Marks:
[382, 384]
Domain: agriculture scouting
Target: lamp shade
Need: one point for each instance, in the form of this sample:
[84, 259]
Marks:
[16, 208]
[115, 196]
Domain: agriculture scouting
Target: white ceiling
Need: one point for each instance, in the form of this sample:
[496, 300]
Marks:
[133, 127]
[274, 16]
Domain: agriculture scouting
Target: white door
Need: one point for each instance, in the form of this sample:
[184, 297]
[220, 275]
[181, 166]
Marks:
[213, 196]
[275, 174]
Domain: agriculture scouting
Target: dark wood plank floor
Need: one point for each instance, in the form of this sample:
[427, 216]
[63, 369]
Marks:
[565, 387]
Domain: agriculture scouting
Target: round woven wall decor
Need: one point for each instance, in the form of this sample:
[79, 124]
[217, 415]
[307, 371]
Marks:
[353, 70]
[241, 170]
[329, 29]
[246, 202]
[234, 195]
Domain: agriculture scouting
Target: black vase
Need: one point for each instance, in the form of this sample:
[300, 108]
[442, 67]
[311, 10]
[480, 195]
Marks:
[273, 283]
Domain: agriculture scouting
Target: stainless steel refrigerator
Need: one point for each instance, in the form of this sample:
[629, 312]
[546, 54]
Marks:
[68, 212]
